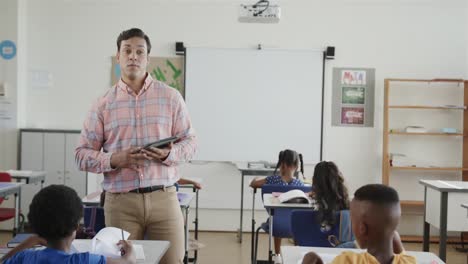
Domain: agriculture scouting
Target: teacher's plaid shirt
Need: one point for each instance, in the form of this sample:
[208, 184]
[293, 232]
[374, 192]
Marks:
[122, 119]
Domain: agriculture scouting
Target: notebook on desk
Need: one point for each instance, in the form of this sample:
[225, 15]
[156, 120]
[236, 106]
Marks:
[7, 184]
[79, 246]
[18, 239]
[105, 243]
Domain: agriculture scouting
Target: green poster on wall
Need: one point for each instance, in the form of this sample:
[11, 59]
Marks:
[169, 70]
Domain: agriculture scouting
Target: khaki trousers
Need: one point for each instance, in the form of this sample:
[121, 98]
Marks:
[154, 216]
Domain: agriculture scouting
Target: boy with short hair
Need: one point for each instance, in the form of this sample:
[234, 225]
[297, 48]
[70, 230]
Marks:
[54, 214]
[375, 214]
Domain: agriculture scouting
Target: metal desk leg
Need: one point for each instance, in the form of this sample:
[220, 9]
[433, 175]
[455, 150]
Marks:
[241, 209]
[186, 258]
[195, 258]
[15, 227]
[253, 226]
[18, 207]
[443, 226]
[427, 227]
[270, 252]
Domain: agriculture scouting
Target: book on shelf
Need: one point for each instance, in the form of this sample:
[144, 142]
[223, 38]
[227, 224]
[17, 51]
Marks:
[447, 80]
[448, 130]
[454, 106]
[415, 129]
[397, 158]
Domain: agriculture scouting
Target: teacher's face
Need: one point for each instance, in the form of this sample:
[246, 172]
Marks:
[133, 58]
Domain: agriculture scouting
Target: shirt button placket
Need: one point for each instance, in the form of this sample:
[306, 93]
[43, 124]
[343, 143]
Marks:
[137, 120]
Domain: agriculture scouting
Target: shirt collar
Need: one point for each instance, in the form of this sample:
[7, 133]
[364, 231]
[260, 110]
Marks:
[124, 87]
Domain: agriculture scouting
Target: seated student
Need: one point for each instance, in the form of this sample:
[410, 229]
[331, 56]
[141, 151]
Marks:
[375, 214]
[329, 192]
[54, 215]
[288, 162]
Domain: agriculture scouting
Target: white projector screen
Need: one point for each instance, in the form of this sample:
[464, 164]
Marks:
[247, 104]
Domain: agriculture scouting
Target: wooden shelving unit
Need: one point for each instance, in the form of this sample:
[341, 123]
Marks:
[393, 132]
[429, 168]
[425, 134]
[411, 203]
[424, 107]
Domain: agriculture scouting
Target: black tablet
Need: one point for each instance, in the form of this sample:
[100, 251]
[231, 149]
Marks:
[162, 143]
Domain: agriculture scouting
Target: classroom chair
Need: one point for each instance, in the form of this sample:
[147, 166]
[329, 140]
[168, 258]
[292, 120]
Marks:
[93, 217]
[9, 213]
[306, 229]
[282, 216]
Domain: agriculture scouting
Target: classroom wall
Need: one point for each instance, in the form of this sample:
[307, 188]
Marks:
[8, 111]
[9, 77]
[69, 43]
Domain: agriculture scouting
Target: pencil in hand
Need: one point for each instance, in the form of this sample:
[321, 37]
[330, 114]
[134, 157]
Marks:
[122, 251]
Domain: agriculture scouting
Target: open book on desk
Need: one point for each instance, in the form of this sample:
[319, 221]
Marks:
[293, 196]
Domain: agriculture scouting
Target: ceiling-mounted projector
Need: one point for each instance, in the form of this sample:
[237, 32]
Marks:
[261, 12]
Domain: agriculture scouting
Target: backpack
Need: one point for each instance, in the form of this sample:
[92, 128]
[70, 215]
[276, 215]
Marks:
[345, 236]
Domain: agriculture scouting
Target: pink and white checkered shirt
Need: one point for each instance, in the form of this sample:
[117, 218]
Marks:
[121, 119]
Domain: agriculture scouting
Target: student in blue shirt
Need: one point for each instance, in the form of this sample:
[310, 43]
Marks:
[288, 163]
[54, 215]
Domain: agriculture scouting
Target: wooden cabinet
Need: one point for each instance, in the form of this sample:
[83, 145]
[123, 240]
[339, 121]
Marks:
[430, 153]
[51, 151]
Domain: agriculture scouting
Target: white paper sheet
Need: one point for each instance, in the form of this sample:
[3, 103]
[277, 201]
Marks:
[105, 242]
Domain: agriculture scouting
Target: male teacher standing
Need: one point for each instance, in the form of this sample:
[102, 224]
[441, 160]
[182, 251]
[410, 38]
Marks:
[139, 183]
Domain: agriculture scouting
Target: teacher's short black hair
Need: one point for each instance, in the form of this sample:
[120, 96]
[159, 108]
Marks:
[55, 212]
[131, 33]
[378, 194]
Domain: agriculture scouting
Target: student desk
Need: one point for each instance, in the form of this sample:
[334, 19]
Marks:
[184, 199]
[8, 188]
[30, 177]
[253, 219]
[292, 255]
[442, 210]
[271, 203]
[246, 171]
[195, 222]
[154, 249]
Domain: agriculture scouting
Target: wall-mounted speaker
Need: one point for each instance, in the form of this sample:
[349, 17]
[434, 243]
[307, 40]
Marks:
[330, 53]
[179, 48]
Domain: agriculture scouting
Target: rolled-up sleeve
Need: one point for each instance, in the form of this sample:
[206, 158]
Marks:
[88, 154]
[186, 147]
